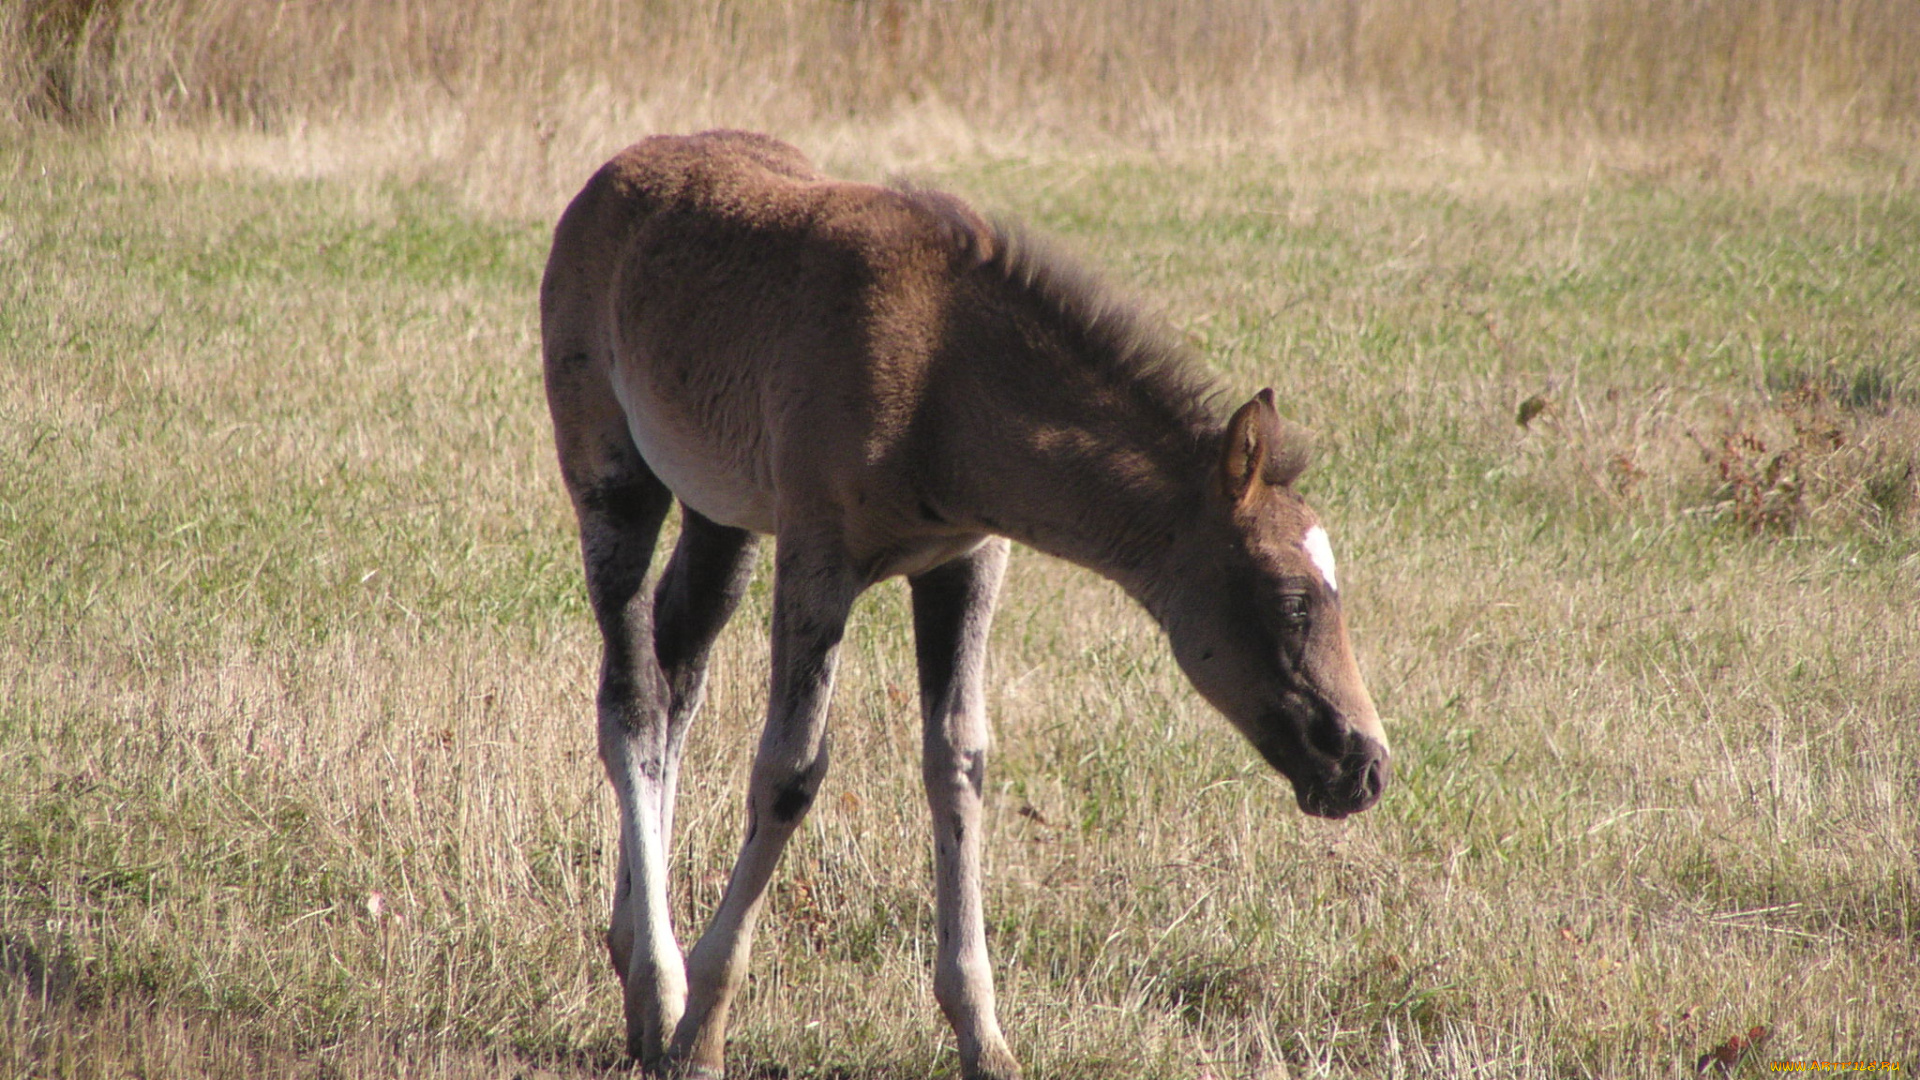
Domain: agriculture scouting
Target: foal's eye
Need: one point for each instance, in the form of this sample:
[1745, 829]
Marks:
[1294, 608]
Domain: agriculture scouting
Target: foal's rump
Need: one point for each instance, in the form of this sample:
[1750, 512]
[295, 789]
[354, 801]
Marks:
[766, 334]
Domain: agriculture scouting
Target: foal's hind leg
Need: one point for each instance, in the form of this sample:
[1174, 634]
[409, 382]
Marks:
[696, 596]
[952, 609]
[621, 504]
[618, 528]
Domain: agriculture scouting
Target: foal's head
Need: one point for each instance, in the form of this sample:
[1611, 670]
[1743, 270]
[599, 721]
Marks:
[1258, 625]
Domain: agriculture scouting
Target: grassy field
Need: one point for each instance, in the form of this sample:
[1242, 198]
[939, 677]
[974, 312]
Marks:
[1620, 441]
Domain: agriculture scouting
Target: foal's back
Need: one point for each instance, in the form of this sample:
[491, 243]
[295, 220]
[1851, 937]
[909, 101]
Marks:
[766, 333]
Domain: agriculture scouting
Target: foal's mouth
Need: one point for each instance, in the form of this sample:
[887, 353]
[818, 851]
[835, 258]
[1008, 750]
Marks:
[1356, 786]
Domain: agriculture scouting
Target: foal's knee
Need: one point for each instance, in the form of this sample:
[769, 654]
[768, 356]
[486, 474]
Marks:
[784, 792]
[790, 795]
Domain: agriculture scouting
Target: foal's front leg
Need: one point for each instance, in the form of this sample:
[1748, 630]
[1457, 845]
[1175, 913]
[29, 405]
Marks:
[813, 590]
[952, 610]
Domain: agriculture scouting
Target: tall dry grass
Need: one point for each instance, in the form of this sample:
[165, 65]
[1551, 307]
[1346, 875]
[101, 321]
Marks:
[1131, 69]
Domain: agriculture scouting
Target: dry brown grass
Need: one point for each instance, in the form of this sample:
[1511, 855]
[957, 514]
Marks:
[531, 92]
[1636, 67]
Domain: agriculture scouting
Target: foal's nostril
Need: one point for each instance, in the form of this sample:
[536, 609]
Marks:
[1373, 779]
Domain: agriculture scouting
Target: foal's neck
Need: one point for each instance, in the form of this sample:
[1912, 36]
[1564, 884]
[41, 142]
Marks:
[1086, 435]
[1108, 487]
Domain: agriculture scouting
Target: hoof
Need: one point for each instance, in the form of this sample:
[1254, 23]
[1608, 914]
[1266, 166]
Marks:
[648, 1049]
[994, 1064]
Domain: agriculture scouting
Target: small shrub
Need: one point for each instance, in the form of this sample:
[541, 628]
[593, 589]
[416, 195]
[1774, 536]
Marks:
[1811, 454]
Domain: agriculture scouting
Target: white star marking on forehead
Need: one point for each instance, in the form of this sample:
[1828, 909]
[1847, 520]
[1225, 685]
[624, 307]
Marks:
[1321, 552]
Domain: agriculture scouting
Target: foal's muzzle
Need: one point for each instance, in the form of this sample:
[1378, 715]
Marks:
[1352, 786]
[1336, 769]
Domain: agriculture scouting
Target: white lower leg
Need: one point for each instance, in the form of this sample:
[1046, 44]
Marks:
[963, 974]
[717, 967]
[641, 936]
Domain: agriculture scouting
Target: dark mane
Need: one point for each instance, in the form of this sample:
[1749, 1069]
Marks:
[1127, 351]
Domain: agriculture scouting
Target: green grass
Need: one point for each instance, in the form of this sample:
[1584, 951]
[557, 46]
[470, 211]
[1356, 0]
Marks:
[292, 620]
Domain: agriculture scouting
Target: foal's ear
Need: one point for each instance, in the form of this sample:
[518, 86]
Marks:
[1261, 450]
